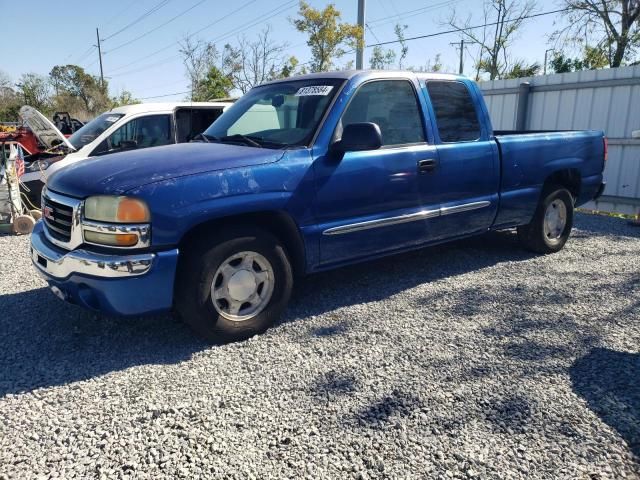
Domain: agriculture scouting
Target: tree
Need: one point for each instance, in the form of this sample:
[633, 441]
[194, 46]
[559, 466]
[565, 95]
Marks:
[430, 65]
[124, 98]
[34, 90]
[519, 69]
[503, 19]
[9, 100]
[382, 59]
[593, 58]
[288, 68]
[404, 48]
[254, 62]
[327, 36]
[612, 26]
[198, 57]
[216, 84]
[71, 82]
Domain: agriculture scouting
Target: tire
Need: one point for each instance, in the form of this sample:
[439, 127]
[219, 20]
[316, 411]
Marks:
[547, 233]
[224, 259]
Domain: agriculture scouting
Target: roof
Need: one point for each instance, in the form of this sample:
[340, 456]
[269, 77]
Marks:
[166, 106]
[349, 74]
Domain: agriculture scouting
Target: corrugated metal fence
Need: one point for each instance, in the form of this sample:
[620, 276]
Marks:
[606, 100]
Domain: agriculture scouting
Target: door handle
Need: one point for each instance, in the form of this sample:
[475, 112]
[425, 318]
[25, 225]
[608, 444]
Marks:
[427, 165]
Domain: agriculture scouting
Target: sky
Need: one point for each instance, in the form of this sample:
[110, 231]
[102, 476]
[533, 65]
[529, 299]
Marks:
[143, 58]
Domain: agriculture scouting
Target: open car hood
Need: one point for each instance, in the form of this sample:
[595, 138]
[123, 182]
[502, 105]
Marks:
[44, 129]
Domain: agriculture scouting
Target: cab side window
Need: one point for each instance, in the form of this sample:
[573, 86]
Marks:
[456, 114]
[142, 132]
[392, 104]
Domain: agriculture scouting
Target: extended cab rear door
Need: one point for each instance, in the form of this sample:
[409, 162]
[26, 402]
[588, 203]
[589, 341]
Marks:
[468, 159]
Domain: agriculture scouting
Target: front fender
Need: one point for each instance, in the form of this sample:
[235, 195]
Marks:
[178, 205]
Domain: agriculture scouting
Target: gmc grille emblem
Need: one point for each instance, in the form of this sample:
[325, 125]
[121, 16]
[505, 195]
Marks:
[48, 213]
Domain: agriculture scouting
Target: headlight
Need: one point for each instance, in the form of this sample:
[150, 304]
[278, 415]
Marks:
[124, 221]
[112, 209]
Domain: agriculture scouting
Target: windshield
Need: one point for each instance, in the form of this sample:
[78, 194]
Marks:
[279, 115]
[93, 129]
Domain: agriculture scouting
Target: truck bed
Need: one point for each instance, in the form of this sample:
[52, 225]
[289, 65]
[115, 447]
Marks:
[529, 157]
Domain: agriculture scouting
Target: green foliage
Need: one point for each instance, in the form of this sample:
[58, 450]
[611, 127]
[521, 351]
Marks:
[593, 58]
[613, 26]
[124, 98]
[382, 59]
[404, 48]
[73, 83]
[520, 70]
[431, 66]
[9, 100]
[288, 69]
[503, 20]
[34, 90]
[216, 84]
[327, 36]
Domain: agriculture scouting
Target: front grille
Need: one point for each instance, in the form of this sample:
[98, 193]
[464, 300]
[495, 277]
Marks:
[58, 218]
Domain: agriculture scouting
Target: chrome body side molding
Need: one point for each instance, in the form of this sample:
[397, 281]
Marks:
[411, 217]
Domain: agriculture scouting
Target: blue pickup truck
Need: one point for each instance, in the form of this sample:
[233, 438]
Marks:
[300, 175]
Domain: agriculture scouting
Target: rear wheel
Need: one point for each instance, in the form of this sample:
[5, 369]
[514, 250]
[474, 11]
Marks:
[234, 285]
[552, 222]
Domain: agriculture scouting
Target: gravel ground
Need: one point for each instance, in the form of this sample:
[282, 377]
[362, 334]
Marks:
[473, 359]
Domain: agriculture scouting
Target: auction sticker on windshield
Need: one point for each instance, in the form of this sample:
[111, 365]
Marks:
[314, 90]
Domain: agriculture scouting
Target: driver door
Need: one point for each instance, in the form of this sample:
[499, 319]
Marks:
[370, 202]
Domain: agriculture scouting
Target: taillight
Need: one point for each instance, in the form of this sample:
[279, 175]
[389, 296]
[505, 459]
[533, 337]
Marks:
[606, 149]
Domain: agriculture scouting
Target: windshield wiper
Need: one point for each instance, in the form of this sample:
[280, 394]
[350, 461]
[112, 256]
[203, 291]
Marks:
[247, 140]
[201, 137]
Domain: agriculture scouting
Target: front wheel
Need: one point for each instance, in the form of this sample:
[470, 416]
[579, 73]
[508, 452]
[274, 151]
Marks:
[234, 285]
[552, 222]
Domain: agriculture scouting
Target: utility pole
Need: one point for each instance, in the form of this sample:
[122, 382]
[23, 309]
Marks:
[100, 58]
[461, 47]
[545, 58]
[360, 51]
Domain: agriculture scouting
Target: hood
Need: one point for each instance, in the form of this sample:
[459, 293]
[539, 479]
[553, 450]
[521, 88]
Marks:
[119, 172]
[42, 128]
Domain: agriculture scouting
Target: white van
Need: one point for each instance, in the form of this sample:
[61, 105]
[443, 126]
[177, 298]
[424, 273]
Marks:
[123, 128]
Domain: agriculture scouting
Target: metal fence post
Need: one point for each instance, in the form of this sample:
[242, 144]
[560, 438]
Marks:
[523, 104]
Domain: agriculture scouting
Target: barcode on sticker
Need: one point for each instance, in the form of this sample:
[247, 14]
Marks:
[314, 90]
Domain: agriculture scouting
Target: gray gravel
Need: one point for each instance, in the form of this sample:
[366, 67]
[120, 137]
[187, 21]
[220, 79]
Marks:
[470, 360]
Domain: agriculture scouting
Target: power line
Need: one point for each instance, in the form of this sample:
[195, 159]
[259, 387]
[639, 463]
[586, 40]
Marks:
[411, 13]
[165, 95]
[146, 67]
[151, 11]
[252, 23]
[277, 11]
[458, 30]
[372, 32]
[88, 52]
[156, 28]
[188, 36]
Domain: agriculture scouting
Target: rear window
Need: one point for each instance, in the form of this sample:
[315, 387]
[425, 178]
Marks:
[456, 114]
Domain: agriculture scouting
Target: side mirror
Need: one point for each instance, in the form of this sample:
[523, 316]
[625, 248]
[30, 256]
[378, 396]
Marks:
[357, 137]
[128, 144]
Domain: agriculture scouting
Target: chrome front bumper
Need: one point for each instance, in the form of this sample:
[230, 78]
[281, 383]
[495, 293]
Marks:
[61, 264]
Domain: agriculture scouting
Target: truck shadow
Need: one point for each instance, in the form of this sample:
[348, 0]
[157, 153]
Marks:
[609, 381]
[48, 342]
[377, 280]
